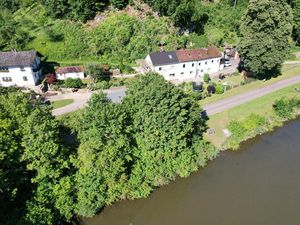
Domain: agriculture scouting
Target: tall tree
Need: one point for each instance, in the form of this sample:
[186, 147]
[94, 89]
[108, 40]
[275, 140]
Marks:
[103, 155]
[296, 12]
[167, 131]
[265, 29]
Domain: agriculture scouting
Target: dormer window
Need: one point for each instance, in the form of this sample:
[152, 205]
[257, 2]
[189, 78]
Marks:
[170, 57]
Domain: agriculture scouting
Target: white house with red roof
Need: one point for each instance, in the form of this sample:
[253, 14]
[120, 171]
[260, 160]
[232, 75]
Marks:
[185, 64]
[74, 72]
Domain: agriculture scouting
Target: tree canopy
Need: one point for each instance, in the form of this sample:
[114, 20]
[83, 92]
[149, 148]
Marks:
[265, 30]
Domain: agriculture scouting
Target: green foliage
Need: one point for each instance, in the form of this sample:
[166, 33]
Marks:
[206, 78]
[128, 149]
[119, 4]
[73, 83]
[284, 108]
[103, 156]
[242, 130]
[32, 161]
[12, 35]
[98, 72]
[219, 89]
[296, 13]
[265, 29]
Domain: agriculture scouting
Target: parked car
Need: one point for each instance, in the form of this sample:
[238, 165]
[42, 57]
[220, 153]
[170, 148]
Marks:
[227, 64]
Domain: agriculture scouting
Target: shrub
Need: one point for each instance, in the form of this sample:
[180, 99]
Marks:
[102, 85]
[211, 89]
[219, 89]
[284, 107]
[98, 72]
[73, 83]
[206, 78]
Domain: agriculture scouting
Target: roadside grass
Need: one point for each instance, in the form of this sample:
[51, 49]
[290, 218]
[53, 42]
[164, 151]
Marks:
[61, 103]
[287, 72]
[261, 106]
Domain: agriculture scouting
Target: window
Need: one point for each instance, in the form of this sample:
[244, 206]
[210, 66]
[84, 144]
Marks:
[22, 68]
[172, 75]
[199, 64]
[191, 72]
[201, 71]
[212, 61]
[193, 64]
[170, 57]
[7, 79]
[25, 78]
[183, 65]
[182, 73]
[218, 60]
[3, 69]
[159, 68]
[205, 62]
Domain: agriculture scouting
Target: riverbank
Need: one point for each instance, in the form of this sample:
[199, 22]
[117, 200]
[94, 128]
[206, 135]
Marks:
[262, 107]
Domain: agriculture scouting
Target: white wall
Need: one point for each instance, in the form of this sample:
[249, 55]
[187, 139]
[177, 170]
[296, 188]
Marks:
[63, 76]
[187, 70]
[17, 76]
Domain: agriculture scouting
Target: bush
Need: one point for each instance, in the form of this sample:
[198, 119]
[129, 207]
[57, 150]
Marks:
[219, 89]
[98, 72]
[73, 83]
[102, 85]
[206, 78]
[211, 89]
[248, 128]
[284, 107]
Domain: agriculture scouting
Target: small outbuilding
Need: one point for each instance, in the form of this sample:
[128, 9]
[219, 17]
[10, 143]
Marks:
[63, 73]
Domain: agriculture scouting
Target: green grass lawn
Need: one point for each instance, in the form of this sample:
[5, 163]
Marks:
[261, 106]
[61, 103]
[287, 71]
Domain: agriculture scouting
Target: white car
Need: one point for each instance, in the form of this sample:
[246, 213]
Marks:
[227, 63]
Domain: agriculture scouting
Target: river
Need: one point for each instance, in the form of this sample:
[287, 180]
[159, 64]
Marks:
[257, 185]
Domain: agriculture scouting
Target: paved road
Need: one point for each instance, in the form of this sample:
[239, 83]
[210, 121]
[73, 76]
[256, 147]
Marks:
[236, 100]
[117, 94]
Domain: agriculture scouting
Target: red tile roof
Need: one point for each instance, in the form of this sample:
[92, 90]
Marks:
[197, 54]
[70, 69]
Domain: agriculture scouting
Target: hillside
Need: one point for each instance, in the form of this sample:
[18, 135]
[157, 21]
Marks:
[120, 36]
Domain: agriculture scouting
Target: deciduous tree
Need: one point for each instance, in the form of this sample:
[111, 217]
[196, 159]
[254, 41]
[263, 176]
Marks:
[265, 29]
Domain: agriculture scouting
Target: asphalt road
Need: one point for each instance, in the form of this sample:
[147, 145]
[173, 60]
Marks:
[117, 94]
[236, 100]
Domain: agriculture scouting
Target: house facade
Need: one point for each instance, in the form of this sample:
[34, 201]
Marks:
[74, 72]
[20, 68]
[185, 64]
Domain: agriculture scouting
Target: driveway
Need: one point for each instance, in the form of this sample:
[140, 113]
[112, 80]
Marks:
[80, 99]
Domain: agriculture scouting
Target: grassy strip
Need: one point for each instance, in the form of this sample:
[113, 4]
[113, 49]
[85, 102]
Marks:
[61, 103]
[261, 106]
[287, 71]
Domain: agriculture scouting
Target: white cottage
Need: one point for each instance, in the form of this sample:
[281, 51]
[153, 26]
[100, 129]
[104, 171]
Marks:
[185, 64]
[20, 68]
[63, 73]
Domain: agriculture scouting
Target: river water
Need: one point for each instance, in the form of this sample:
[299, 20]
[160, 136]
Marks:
[258, 185]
